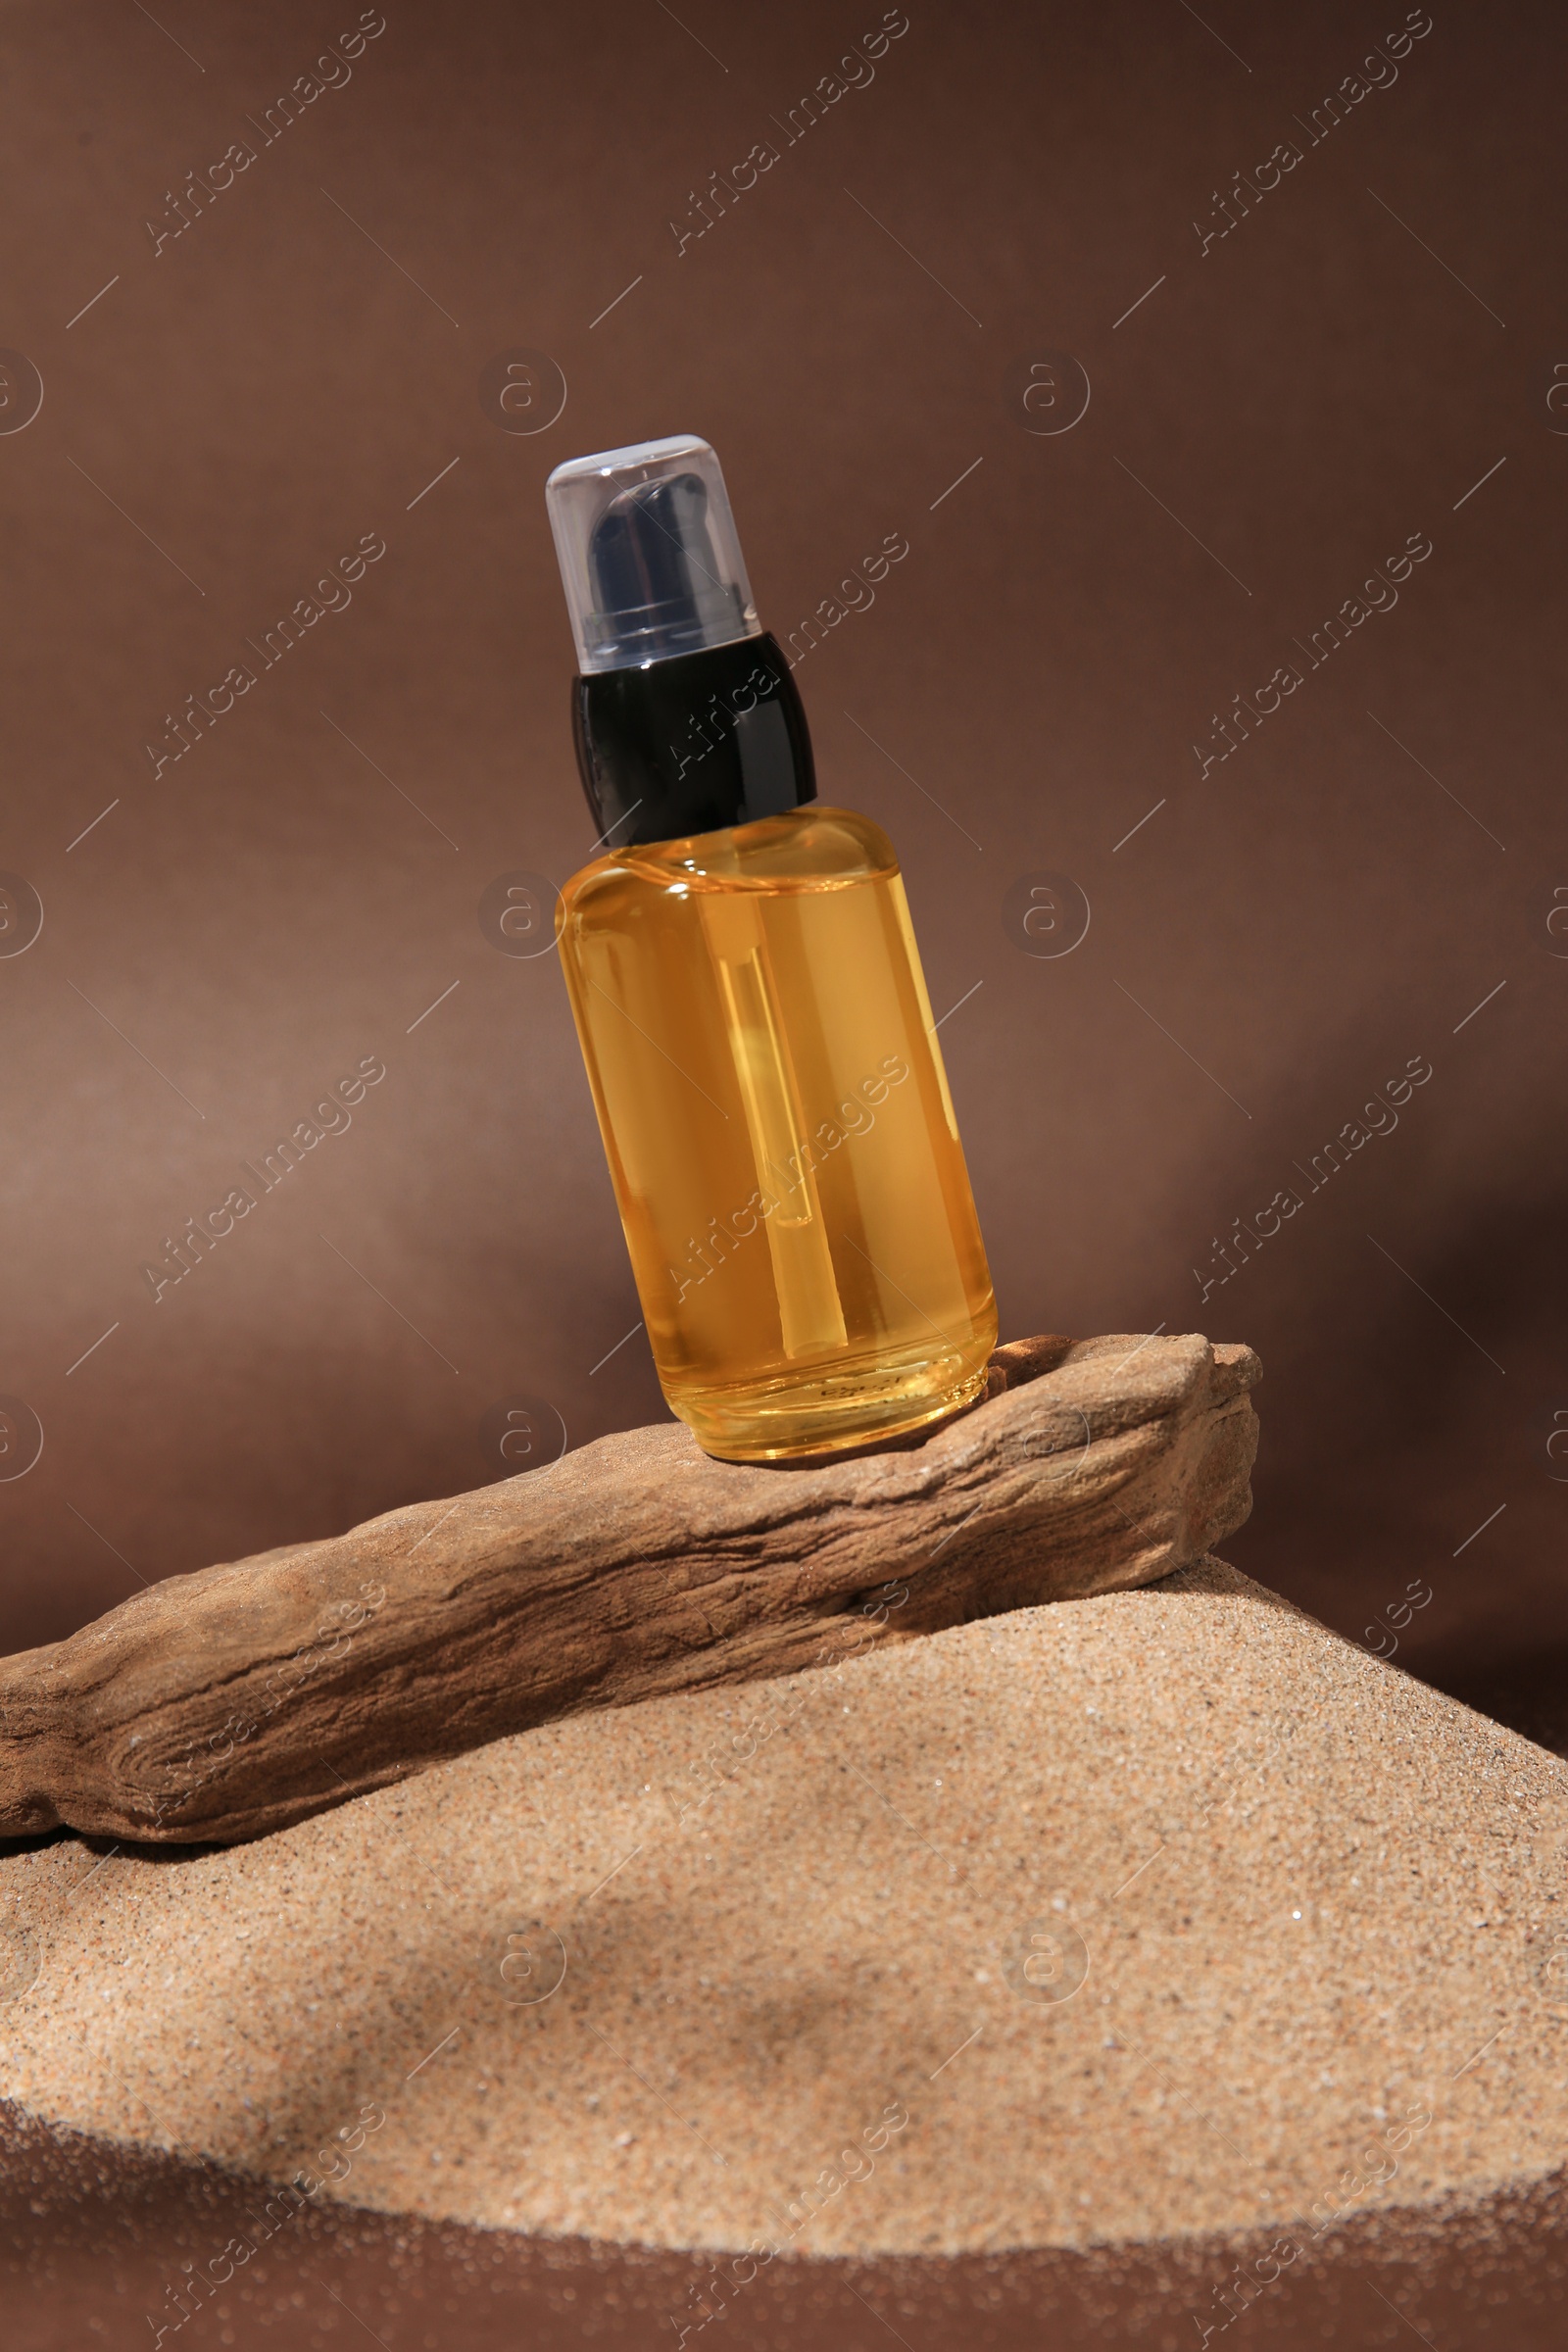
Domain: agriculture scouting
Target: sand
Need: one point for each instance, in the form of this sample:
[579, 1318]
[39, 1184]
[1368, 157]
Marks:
[783, 1968]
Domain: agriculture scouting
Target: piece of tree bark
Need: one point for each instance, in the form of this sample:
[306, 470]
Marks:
[215, 1706]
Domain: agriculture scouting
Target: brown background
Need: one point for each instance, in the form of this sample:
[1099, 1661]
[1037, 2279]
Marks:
[282, 378]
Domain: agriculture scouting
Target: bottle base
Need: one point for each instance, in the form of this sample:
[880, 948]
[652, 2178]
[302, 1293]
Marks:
[835, 1412]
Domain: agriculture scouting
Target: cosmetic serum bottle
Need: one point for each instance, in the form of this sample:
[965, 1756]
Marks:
[750, 1002]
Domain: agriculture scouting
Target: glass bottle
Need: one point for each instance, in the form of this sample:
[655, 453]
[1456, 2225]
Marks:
[750, 1002]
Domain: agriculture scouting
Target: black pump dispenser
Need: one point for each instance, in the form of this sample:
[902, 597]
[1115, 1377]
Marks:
[685, 716]
[693, 744]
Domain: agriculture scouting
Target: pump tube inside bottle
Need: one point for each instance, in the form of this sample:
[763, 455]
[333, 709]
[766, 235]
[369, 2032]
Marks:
[810, 1312]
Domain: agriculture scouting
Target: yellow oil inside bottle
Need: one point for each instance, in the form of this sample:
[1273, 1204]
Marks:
[780, 1133]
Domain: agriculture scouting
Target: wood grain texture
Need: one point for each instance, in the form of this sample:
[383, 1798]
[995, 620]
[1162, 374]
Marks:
[216, 1706]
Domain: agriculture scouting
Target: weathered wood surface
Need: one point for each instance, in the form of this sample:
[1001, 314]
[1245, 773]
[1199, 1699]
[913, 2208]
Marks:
[216, 1706]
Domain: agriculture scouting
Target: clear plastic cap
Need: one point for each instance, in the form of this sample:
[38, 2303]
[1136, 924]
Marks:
[648, 554]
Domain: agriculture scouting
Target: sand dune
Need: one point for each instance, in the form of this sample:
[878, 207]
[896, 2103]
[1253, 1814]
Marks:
[1053, 1964]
